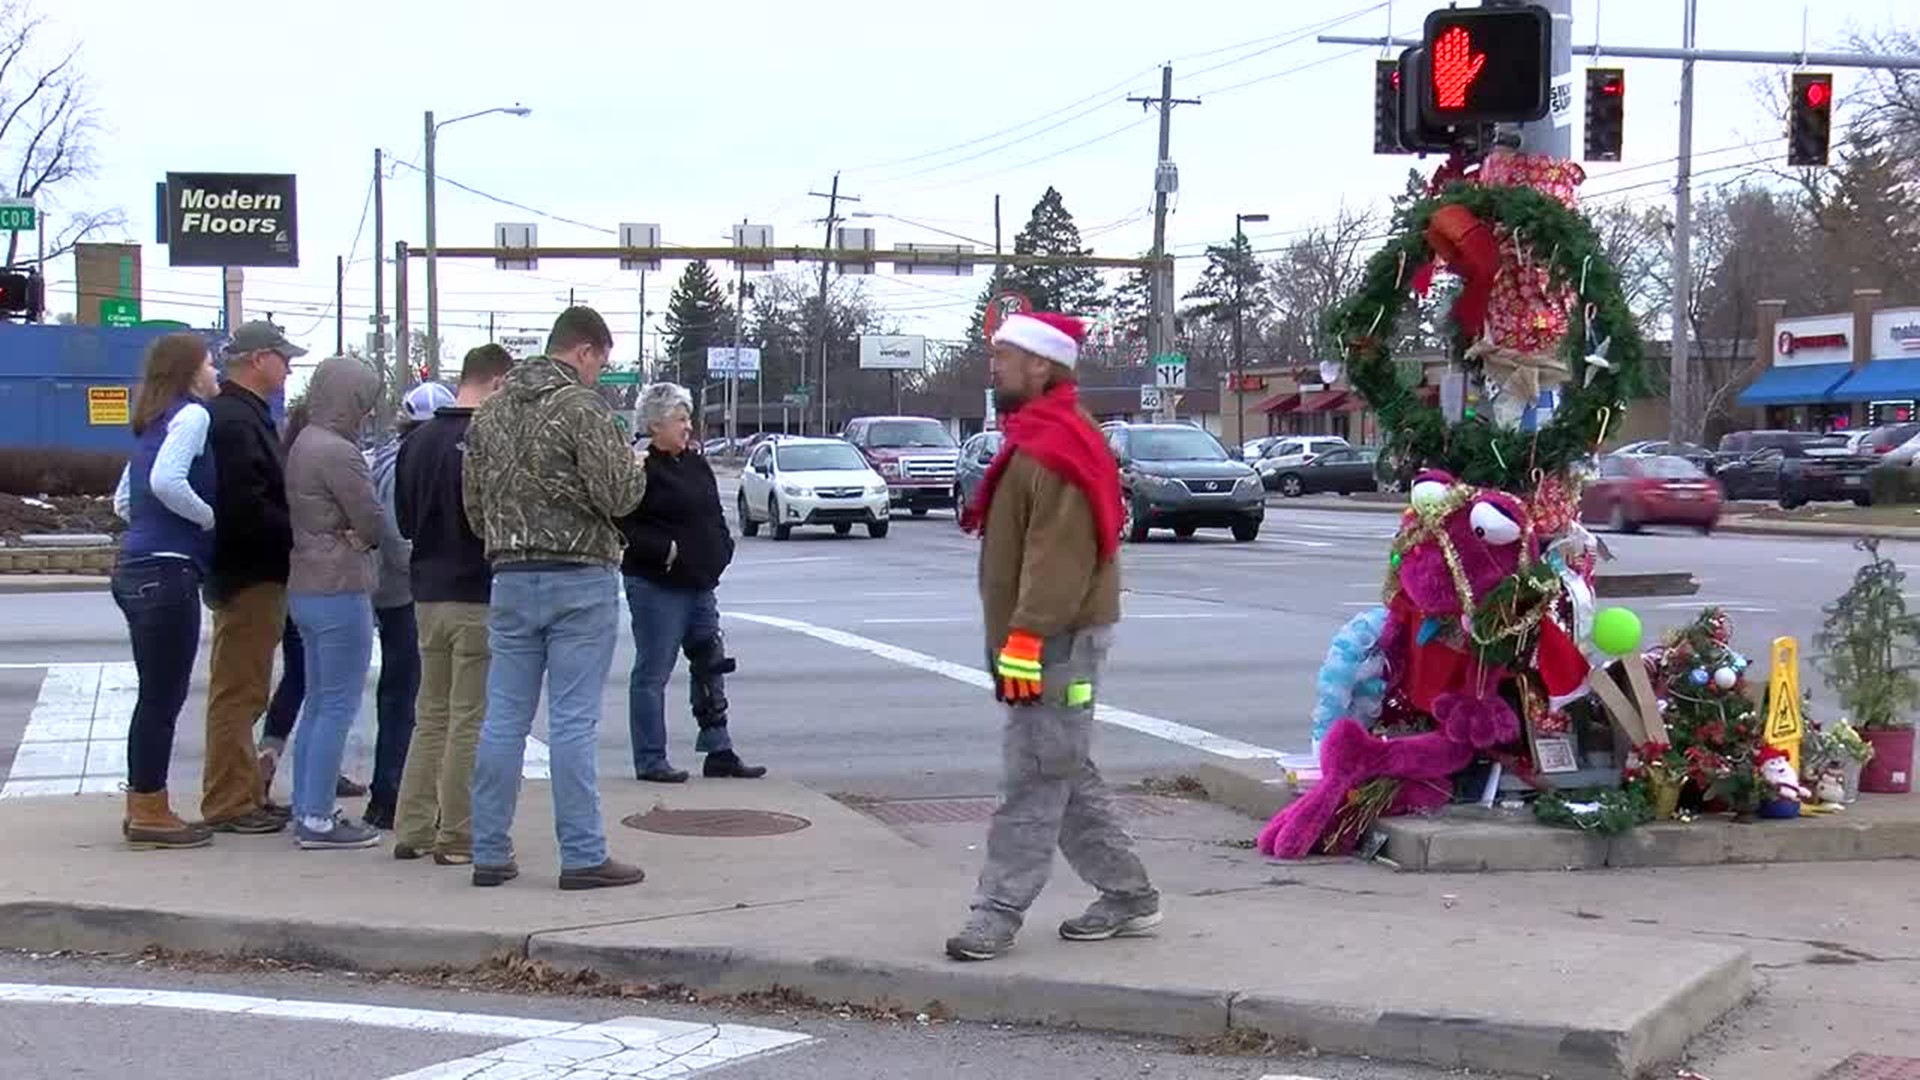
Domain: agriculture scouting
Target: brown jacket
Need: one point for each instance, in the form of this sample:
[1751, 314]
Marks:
[1039, 563]
[337, 519]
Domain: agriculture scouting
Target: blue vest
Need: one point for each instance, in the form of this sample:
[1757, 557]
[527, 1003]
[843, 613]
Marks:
[153, 527]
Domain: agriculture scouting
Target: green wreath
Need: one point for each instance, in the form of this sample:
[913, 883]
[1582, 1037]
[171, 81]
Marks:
[1474, 449]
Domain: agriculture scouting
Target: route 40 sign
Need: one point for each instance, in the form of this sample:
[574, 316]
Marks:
[1170, 370]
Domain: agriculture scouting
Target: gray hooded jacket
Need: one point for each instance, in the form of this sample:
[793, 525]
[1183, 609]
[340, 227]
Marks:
[337, 521]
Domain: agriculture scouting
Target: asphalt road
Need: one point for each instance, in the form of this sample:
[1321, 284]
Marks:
[860, 658]
[352, 1032]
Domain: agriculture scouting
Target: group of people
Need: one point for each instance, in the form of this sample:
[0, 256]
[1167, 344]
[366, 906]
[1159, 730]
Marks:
[484, 546]
[519, 507]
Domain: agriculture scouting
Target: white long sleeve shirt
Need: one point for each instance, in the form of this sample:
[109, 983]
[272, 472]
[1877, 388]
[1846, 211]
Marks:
[186, 440]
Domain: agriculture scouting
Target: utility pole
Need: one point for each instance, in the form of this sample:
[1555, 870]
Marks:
[996, 224]
[640, 351]
[380, 277]
[733, 366]
[833, 218]
[1166, 181]
[1684, 424]
[433, 251]
[339, 305]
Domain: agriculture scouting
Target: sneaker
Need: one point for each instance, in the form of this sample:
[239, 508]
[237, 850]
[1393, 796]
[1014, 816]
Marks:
[988, 934]
[487, 877]
[252, 823]
[344, 788]
[1114, 916]
[611, 874]
[662, 774]
[453, 858]
[380, 817]
[342, 833]
[408, 853]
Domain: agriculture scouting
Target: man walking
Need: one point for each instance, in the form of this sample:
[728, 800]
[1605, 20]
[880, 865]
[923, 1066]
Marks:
[247, 586]
[546, 473]
[1049, 509]
[450, 578]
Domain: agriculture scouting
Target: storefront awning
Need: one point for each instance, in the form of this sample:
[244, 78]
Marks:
[1322, 401]
[1799, 384]
[1279, 403]
[1892, 379]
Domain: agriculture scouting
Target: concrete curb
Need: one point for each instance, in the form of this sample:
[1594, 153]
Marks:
[87, 560]
[1738, 523]
[1708, 983]
[23, 584]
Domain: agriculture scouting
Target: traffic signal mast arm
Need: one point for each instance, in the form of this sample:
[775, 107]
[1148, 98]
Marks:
[789, 254]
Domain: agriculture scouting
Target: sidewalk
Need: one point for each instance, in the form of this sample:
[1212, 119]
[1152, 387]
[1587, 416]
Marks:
[52, 583]
[846, 910]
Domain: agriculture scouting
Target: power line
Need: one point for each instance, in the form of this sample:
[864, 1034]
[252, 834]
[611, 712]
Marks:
[1292, 37]
[489, 196]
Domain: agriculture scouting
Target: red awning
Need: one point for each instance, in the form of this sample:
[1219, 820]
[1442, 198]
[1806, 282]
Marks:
[1279, 403]
[1322, 401]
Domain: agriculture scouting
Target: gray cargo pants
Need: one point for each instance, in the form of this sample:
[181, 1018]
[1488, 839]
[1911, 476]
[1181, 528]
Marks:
[1052, 795]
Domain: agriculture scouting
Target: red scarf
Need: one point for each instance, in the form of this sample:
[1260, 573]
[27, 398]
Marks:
[1053, 431]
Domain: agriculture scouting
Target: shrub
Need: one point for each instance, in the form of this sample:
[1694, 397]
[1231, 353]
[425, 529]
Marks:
[34, 470]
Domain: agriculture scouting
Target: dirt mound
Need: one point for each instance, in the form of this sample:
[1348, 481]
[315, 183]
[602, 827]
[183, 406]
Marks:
[57, 514]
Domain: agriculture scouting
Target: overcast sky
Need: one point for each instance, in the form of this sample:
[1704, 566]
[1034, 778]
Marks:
[694, 116]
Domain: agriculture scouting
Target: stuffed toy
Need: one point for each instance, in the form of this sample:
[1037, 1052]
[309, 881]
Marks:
[1784, 794]
[1351, 757]
[1350, 682]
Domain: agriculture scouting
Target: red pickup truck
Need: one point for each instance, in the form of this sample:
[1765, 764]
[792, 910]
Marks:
[915, 455]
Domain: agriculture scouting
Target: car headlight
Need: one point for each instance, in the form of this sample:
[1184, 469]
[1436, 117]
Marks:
[796, 490]
[891, 468]
[1152, 482]
[1248, 483]
[876, 489]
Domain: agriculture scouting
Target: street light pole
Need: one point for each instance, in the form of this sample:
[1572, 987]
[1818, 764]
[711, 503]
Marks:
[433, 279]
[1239, 347]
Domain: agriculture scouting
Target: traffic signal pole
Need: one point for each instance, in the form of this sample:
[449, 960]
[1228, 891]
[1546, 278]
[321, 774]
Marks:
[1684, 420]
[1552, 134]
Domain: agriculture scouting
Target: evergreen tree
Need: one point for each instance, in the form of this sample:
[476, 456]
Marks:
[1232, 275]
[698, 316]
[1132, 306]
[1072, 290]
[1869, 220]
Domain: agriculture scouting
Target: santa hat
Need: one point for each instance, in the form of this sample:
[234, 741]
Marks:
[1044, 334]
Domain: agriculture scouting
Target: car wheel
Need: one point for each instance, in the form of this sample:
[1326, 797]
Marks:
[748, 526]
[919, 511]
[1185, 532]
[1246, 532]
[1292, 487]
[877, 529]
[1863, 500]
[1620, 521]
[781, 530]
[959, 508]
[1706, 529]
[842, 528]
[1133, 522]
[1789, 502]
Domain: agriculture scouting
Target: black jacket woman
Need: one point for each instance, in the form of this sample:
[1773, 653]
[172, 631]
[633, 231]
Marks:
[678, 545]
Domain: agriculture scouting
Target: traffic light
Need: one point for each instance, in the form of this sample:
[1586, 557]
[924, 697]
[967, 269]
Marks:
[22, 293]
[1606, 113]
[1386, 107]
[1810, 118]
[1487, 64]
[1418, 132]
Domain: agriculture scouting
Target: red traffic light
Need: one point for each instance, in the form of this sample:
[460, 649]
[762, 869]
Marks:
[1818, 94]
[1486, 65]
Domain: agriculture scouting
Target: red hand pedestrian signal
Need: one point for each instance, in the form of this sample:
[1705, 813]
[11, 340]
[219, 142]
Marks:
[1455, 67]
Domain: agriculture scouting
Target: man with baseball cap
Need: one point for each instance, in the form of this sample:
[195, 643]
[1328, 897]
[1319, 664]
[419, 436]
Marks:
[247, 585]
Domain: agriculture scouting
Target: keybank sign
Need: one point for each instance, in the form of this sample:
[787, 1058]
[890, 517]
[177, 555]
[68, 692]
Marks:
[230, 219]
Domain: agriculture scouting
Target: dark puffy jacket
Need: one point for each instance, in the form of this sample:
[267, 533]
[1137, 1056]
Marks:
[681, 510]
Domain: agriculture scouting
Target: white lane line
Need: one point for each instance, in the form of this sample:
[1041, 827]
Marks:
[629, 1046]
[1796, 560]
[1746, 606]
[1189, 615]
[919, 620]
[909, 594]
[1126, 718]
[750, 563]
[1294, 543]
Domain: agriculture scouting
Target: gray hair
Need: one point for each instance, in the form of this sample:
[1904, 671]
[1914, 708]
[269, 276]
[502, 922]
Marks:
[659, 400]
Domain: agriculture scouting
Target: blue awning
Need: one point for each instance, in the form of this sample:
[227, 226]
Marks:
[1895, 378]
[1799, 384]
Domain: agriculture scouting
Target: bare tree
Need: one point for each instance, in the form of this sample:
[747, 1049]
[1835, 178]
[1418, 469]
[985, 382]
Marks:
[48, 125]
[1311, 277]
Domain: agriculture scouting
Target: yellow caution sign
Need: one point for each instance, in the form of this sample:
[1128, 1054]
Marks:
[1784, 723]
[108, 405]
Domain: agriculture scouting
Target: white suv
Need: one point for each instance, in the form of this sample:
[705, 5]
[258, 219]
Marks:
[796, 482]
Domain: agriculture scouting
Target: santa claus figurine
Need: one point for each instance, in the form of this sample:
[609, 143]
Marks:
[1783, 794]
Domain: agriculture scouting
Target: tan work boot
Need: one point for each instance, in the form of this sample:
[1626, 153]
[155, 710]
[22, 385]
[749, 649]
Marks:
[151, 823]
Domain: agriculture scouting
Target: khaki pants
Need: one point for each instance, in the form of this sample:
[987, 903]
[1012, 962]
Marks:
[436, 799]
[246, 634]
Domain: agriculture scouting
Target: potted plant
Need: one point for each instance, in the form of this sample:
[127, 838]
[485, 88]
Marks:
[1836, 748]
[1869, 651]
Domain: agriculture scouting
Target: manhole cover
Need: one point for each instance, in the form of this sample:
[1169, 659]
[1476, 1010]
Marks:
[714, 822]
[1876, 1067]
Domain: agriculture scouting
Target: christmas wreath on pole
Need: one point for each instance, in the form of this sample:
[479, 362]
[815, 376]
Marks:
[1488, 234]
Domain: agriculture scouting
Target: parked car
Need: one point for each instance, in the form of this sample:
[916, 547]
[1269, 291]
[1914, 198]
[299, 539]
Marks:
[1632, 490]
[1254, 449]
[1693, 452]
[914, 454]
[975, 455]
[1883, 440]
[1291, 452]
[1342, 470]
[1803, 471]
[790, 483]
[1736, 445]
[1181, 478]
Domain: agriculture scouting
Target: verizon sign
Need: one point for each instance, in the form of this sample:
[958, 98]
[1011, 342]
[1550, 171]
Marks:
[893, 352]
[231, 219]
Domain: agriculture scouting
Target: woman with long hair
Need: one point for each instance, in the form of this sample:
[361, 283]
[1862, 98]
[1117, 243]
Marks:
[166, 497]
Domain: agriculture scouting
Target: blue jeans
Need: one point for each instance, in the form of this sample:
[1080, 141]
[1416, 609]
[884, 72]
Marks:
[666, 620]
[160, 596]
[336, 633]
[393, 701]
[560, 624]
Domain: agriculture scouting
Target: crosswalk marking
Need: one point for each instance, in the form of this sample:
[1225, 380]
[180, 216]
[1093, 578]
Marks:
[625, 1048]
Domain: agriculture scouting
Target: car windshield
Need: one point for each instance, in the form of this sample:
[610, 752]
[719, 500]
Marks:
[819, 457]
[1175, 444]
[909, 433]
[1668, 467]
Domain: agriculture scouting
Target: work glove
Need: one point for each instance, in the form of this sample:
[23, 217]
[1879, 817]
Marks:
[1017, 670]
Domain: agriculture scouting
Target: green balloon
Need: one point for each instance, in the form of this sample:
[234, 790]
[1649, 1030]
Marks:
[1616, 631]
[1395, 560]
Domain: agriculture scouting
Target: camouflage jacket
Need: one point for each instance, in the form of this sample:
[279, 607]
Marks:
[547, 471]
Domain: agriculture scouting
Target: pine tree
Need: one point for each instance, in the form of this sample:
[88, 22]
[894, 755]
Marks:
[698, 317]
[1071, 290]
[1232, 275]
[1132, 306]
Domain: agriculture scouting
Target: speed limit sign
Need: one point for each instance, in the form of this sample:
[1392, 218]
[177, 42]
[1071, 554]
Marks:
[1149, 399]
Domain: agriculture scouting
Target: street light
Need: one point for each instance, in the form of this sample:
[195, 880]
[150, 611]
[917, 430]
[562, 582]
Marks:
[433, 280]
[1239, 351]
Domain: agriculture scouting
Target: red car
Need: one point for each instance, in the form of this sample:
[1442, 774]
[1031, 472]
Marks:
[1633, 491]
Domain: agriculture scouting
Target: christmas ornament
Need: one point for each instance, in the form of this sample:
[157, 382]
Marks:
[1725, 678]
[1698, 676]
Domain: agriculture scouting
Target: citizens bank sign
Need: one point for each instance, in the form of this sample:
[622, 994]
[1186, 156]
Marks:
[229, 219]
